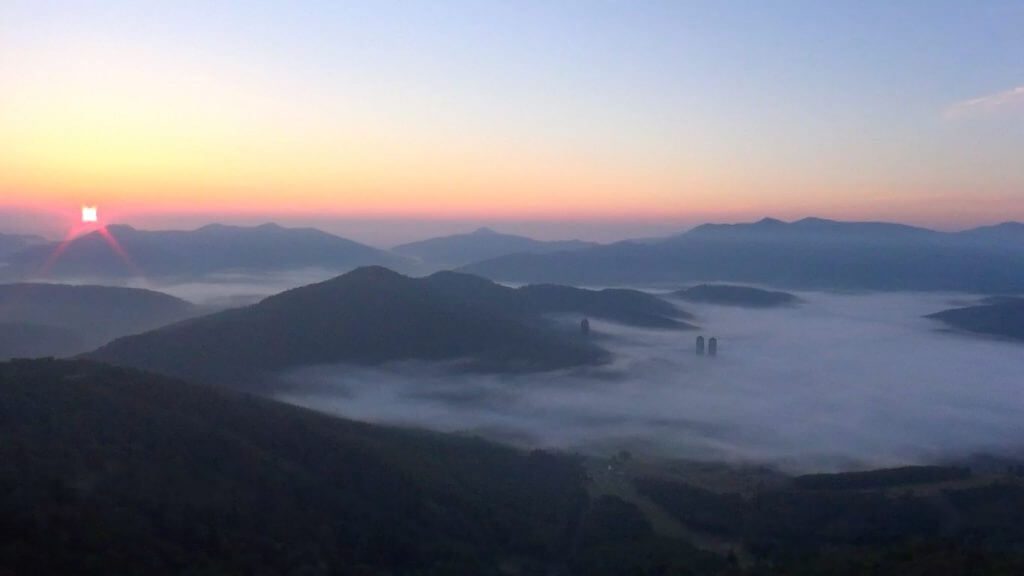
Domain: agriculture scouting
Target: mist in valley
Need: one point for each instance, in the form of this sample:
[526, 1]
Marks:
[221, 290]
[841, 382]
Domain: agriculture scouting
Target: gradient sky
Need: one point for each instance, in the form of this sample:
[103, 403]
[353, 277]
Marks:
[582, 118]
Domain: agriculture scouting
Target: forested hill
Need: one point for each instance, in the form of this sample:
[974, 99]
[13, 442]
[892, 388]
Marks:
[366, 317]
[61, 319]
[106, 470]
[111, 471]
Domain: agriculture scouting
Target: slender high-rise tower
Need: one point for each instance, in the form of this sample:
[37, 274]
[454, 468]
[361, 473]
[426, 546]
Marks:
[713, 346]
[700, 345]
[585, 327]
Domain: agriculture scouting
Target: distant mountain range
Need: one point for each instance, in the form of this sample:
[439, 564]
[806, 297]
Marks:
[373, 315]
[207, 250]
[62, 320]
[460, 249]
[812, 253]
[12, 243]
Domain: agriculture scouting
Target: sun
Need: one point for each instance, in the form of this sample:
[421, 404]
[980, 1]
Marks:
[90, 215]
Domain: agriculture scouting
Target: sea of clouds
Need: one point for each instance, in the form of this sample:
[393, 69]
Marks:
[842, 381]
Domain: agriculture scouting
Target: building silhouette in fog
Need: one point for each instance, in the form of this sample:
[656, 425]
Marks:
[712, 346]
[585, 327]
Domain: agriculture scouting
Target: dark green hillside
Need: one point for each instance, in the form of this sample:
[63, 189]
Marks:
[912, 520]
[368, 316]
[105, 470]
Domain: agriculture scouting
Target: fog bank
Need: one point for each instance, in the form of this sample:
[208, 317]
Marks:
[840, 382]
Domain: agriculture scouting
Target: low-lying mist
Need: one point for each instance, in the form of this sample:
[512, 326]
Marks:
[227, 290]
[841, 382]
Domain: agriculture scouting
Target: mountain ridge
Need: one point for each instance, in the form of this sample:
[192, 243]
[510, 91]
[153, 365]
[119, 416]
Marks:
[456, 250]
[206, 250]
[88, 315]
[369, 316]
[808, 254]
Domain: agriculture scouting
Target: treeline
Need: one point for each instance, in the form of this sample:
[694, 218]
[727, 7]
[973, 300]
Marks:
[809, 526]
[885, 478]
[113, 471]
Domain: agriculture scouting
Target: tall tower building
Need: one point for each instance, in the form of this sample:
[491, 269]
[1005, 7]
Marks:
[700, 345]
[713, 346]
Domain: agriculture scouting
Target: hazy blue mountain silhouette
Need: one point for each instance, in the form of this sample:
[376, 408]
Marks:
[60, 320]
[12, 243]
[1009, 233]
[771, 229]
[731, 295]
[368, 316]
[1003, 317]
[619, 305]
[210, 249]
[811, 253]
[461, 249]
[18, 340]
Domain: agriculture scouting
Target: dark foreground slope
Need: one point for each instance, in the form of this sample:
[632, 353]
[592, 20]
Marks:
[897, 522]
[1002, 317]
[112, 471]
[59, 319]
[368, 316]
[730, 295]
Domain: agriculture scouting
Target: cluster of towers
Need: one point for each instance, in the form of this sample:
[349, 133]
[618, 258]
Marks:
[712, 348]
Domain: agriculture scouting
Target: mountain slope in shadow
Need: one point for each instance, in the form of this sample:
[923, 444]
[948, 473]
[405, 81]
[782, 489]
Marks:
[61, 320]
[732, 295]
[1000, 317]
[366, 317]
[106, 471]
[617, 305]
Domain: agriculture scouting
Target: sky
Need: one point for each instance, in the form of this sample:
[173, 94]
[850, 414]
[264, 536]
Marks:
[593, 119]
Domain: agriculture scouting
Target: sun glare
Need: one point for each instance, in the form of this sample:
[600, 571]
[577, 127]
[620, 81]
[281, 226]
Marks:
[90, 214]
